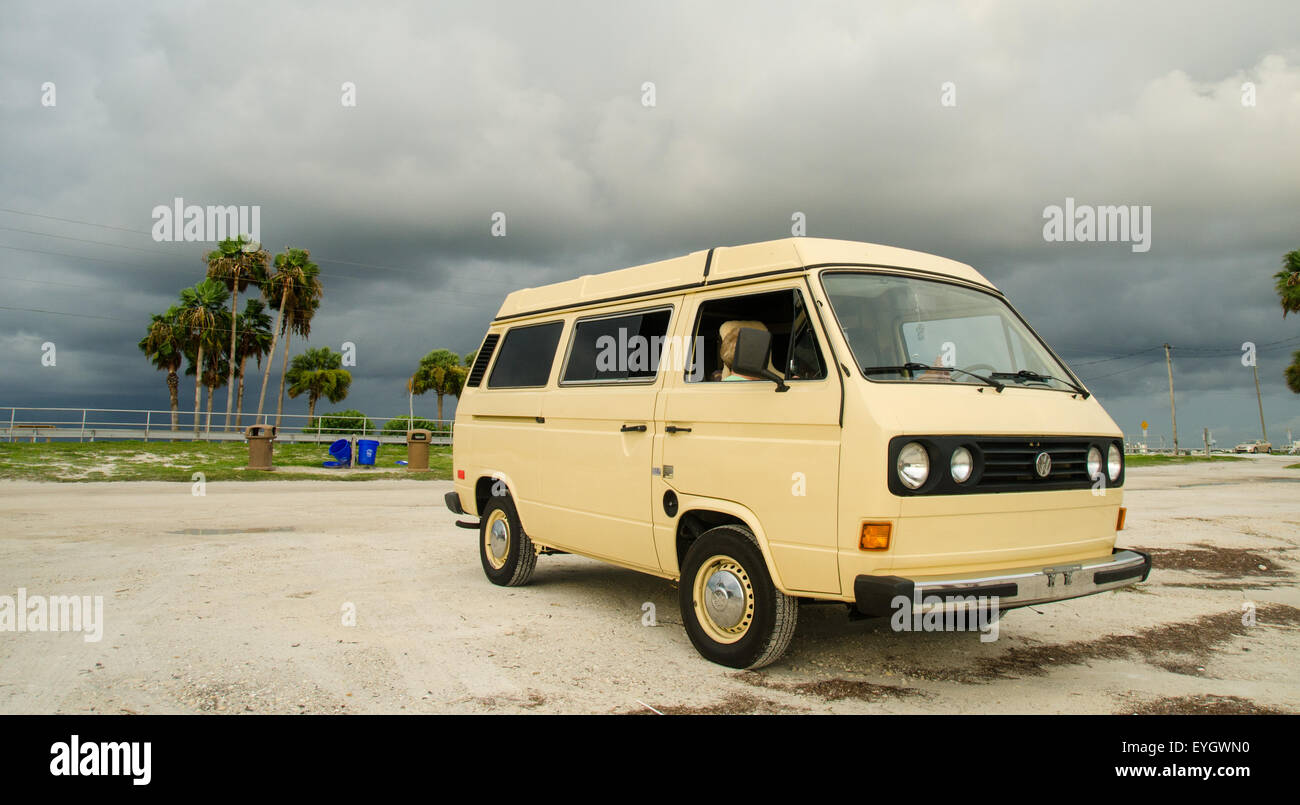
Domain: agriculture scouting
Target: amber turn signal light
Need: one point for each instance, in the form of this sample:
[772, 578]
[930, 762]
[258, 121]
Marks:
[1119, 523]
[875, 536]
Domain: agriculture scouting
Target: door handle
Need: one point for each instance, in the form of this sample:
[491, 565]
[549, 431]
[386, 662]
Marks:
[675, 429]
[626, 428]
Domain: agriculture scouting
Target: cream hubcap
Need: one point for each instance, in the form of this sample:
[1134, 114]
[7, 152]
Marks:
[496, 539]
[724, 599]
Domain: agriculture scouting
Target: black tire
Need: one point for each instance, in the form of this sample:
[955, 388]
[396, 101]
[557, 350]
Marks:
[764, 631]
[516, 567]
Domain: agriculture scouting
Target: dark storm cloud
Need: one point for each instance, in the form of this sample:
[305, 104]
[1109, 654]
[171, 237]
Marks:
[762, 110]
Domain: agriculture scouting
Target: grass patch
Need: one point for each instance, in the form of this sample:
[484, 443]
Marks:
[1158, 460]
[1293, 466]
[177, 461]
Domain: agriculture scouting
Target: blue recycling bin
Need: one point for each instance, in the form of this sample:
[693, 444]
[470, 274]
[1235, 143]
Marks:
[341, 451]
[367, 449]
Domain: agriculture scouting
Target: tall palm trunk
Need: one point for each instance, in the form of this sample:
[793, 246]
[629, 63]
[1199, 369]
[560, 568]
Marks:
[198, 393]
[311, 408]
[173, 390]
[234, 327]
[239, 400]
[270, 356]
[207, 425]
[284, 365]
[440, 409]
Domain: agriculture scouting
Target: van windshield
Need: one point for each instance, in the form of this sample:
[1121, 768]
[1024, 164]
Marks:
[903, 329]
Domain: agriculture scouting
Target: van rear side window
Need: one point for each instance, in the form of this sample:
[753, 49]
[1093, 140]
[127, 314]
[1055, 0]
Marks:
[617, 348]
[525, 356]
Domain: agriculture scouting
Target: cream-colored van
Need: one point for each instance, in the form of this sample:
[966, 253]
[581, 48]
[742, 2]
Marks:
[792, 421]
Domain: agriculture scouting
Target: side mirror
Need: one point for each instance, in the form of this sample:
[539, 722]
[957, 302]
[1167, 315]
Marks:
[753, 349]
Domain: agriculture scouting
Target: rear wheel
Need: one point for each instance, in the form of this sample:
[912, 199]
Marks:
[507, 553]
[733, 613]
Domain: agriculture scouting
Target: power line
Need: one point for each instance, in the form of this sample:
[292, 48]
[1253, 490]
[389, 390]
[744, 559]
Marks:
[161, 253]
[1199, 352]
[1188, 352]
[318, 259]
[224, 330]
[1129, 369]
[1116, 358]
[73, 256]
[83, 240]
[75, 221]
[62, 313]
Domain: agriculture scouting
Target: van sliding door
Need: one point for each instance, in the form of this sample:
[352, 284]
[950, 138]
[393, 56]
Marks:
[598, 435]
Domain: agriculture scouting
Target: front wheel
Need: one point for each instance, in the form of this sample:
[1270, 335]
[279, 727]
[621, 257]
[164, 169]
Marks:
[506, 551]
[733, 613]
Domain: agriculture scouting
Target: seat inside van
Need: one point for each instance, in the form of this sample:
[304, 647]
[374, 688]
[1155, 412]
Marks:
[774, 310]
[781, 313]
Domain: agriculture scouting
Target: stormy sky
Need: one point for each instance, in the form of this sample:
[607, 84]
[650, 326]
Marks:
[761, 110]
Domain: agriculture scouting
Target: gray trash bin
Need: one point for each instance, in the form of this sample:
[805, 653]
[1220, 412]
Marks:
[261, 443]
[417, 449]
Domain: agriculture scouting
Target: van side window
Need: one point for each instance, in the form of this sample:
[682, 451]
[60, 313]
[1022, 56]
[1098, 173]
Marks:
[525, 356]
[795, 352]
[626, 347]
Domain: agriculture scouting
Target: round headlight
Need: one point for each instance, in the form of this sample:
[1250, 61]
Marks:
[1094, 462]
[962, 465]
[913, 465]
[1114, 462]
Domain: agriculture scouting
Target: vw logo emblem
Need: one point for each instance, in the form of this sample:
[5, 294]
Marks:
[1043, 465]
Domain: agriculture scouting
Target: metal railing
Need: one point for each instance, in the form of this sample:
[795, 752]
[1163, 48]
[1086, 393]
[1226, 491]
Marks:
[88, 424]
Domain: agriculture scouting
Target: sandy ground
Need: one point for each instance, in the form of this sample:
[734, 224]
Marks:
[235, 601]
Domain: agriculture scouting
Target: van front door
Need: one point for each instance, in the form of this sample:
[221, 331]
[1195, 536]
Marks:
[739, 440]
[598, 435]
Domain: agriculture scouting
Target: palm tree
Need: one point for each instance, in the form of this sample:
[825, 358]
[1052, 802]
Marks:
[200, 316]
[1288, 283]
[236, 262]
[319, 373]
[1288, 291]
[440, 372]
[1292, 373]
[296, 285]
[215, 369]
[254, 342]
[164, 345]
[299, 322]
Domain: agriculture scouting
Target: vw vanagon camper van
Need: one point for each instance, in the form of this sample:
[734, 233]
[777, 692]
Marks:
[787, 422]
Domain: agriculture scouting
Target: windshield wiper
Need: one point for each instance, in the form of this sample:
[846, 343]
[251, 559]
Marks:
[921, 367]
[1025, 374]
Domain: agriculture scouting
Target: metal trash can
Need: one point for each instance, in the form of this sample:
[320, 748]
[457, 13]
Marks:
[417, 449]
[261, 442]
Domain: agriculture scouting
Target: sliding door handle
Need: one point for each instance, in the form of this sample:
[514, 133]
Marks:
[627, 428]
[675, 429]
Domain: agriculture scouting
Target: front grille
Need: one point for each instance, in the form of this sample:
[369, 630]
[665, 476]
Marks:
[1004, 464]
[1010, 462]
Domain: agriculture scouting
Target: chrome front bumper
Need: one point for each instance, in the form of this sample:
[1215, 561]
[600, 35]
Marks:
[875, 596]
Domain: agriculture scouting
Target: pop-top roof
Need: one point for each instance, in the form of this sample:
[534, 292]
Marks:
[727, 263]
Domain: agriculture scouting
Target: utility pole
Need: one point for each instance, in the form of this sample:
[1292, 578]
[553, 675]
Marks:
[1173, 413]
[1205, 434]
[1254, 367]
